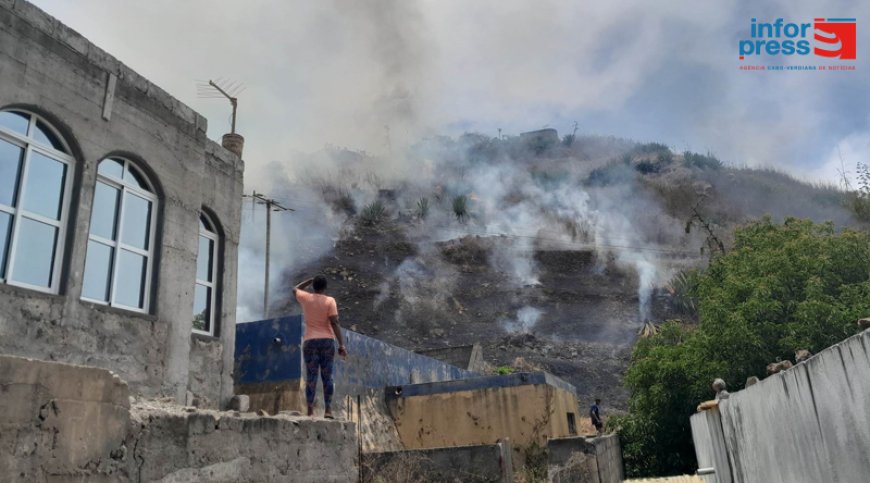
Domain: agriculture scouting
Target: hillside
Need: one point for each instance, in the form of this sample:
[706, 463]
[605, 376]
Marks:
[549, 252]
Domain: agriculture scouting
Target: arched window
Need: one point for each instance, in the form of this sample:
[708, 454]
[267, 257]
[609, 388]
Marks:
[35, 180]
[206, 291]
[120, 255]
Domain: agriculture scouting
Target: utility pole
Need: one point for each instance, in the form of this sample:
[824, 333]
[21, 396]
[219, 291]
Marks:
[271, 205]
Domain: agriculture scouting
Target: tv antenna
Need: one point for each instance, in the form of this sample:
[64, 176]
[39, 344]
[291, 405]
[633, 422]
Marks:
[221, 88]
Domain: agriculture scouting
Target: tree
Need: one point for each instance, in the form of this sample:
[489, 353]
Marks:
[783, 287]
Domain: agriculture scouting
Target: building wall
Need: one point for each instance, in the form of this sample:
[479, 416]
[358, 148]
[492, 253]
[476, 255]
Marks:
[526, 408]
[809, 423]
[48, 69]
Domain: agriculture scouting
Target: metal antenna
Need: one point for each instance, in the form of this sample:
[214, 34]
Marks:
[271, 205]
[222, 88]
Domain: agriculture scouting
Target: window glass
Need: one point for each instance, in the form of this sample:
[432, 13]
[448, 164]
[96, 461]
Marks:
[98, 270]
[137, 217]
[15, 121]
[5, 229]
[34, 253]
[201, 304]
[204, 259]
[10, 165]
[130, 279]
[135, 178]
[111, 167]
[104, 216]
[43, 190]
[42, 134]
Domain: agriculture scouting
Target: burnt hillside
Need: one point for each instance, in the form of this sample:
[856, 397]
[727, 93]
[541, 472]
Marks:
[550, 255]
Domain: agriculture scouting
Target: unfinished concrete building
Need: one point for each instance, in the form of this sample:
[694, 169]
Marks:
[119, 227]
[119, 218]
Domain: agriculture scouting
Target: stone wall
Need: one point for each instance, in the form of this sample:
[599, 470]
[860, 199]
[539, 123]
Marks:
[587, 460]
[50, 70]
[61, 423]
[809, 423]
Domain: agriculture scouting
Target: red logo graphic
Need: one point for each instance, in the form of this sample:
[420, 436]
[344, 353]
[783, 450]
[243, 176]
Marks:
[836, 38]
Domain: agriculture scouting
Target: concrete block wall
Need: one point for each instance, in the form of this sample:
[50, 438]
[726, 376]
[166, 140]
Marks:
[809, 423]
[64, 423]
[468, 464]
[49, 69]
[586, 460]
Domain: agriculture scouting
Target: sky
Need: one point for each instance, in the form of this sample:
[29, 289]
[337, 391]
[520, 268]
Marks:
[378, 74]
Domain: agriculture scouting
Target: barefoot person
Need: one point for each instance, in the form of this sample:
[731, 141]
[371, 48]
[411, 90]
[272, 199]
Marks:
[320, 314]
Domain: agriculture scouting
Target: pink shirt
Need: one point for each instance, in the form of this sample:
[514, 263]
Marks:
[316, 310]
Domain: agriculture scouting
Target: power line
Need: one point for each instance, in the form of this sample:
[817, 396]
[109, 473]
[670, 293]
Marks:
[271, 205]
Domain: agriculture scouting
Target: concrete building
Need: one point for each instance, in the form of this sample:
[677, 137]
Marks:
[119, 218]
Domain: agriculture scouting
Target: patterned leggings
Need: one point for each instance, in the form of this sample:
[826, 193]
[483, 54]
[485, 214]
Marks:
[318, 355]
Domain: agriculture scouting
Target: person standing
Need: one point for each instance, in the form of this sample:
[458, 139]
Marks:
[320, 314]
[595, 416]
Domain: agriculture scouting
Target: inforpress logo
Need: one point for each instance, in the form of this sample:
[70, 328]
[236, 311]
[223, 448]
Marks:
[836, 37]
[824, 37]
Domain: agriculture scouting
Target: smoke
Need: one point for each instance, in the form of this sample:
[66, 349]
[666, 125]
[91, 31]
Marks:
[526, 319]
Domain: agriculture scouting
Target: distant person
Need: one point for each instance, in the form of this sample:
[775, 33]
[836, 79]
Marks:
[595, 416]
[719, 388]
[320, 314]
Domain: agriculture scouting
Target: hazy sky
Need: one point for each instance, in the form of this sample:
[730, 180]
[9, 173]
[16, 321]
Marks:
[337, 72]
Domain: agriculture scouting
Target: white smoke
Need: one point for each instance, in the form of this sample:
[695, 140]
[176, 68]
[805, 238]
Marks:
[526, 319]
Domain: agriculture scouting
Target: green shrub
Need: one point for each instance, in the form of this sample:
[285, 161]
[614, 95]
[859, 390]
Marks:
[460, 207]
[373, 213]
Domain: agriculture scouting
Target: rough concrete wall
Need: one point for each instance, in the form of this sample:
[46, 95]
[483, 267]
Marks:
[61, 423]
[526, 414]
[469, 464]
[377, 430]
[710, 445]
[178, 446]
[57, 419]
[47, 68]
[809, 423]
[586, 460]
[608, 452]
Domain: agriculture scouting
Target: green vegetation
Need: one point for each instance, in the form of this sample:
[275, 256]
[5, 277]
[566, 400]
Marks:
[783, 287]
[423, 208]
[700, 161]
[504, 370]
[373, 213]
[460, 207]
[859, 201]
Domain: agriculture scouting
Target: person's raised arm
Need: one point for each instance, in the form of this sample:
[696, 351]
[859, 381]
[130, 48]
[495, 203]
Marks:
[336, 329]
[302, 285]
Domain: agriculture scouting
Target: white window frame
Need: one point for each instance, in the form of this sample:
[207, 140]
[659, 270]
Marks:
[213, 284]
[124, 187]
[30, 145]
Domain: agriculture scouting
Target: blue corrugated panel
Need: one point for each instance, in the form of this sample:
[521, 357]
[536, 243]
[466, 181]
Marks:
[269, 350]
